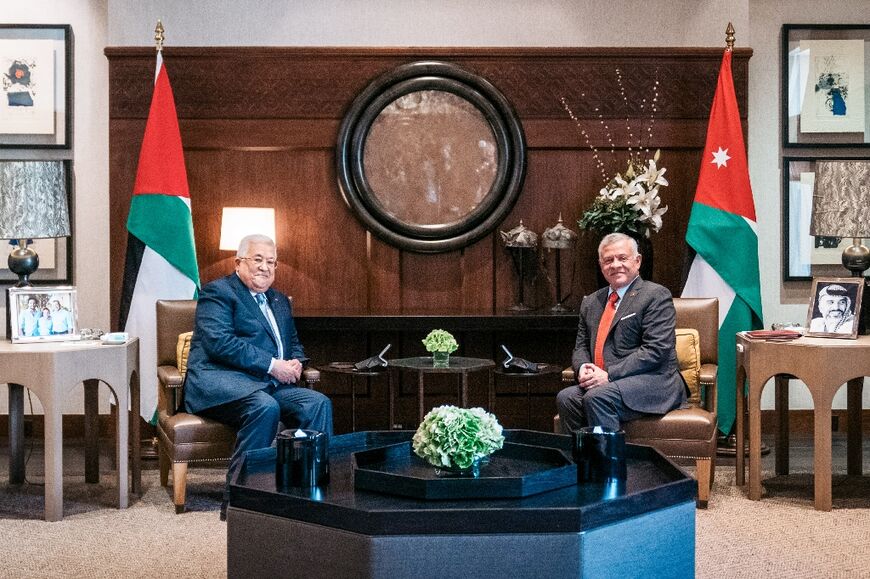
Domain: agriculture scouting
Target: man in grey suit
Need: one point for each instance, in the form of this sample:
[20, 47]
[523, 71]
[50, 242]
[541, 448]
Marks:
[246, 360]
[626, 367]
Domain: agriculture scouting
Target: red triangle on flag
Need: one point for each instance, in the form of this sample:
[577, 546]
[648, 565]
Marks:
[723, 182]
[161, 158]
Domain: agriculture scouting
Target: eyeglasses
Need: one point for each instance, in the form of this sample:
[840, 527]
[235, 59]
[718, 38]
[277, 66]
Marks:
[258, 261]
[618, 259]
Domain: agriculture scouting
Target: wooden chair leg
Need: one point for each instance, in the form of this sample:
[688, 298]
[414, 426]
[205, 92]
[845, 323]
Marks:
[164, 468]
[712, 470]
[703, 468]
[179, 485]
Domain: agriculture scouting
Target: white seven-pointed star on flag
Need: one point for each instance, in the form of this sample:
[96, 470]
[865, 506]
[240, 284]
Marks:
[720, 157]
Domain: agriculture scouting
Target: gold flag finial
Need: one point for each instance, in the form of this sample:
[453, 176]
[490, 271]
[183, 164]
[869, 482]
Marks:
[158, 35]
[729, 37]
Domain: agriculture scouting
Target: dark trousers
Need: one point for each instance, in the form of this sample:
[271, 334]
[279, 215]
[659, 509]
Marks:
[597, 406]
[256, 418]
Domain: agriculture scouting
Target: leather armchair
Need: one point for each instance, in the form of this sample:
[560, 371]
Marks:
[185, 438]
[689, 432]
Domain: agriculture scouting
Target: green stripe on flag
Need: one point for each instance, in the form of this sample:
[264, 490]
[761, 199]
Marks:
[739, 318]
[163, 223]
[730, 246]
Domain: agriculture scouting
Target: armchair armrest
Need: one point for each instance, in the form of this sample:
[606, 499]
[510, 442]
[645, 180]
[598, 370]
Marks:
[568, 376]
[709, 379]
[169, 376]
[310, 377]
[169, 383]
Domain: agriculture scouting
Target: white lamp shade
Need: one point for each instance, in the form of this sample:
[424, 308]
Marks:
[237, 222]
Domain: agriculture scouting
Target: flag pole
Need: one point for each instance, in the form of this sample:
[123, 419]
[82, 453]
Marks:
[729, 37]
[158, 35]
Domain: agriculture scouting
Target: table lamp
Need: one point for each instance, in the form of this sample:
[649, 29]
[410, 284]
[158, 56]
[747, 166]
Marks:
[522, 243]
[558, 238]
[33, 205]
[841, 208]
[237, 222]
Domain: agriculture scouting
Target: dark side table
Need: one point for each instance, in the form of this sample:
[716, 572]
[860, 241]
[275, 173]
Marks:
[461, 365]
[347, 369]
[522, 384]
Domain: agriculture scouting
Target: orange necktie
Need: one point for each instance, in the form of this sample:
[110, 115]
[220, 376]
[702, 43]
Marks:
[604, 328]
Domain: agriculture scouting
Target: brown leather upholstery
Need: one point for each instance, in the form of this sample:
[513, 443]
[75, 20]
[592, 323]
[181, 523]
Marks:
[691, 432]
[185, 438]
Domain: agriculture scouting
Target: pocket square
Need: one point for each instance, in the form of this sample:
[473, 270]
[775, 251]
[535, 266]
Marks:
[628, 316]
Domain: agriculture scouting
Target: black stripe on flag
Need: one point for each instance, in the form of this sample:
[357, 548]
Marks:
[135, 250]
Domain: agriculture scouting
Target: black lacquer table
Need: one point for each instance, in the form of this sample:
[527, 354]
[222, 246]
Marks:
[336, 530]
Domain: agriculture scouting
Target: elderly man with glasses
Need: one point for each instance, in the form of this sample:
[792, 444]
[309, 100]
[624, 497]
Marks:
[245, 358]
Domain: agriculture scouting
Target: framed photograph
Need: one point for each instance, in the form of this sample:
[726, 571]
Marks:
[835, 303]
[55, 255]
[43, 314]
[825, 68]
[805, 255]
[35, 86]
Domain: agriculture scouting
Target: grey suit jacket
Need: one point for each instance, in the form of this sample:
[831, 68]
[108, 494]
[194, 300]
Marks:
[640, 349]
[233, 343]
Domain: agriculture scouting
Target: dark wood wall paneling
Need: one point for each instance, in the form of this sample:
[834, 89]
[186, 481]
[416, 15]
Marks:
[259, 127]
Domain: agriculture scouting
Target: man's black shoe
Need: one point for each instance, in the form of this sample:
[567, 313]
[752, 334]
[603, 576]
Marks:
[224, 511]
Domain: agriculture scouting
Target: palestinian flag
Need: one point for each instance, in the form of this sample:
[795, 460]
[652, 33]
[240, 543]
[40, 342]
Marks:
[161, 255]
[722, 233]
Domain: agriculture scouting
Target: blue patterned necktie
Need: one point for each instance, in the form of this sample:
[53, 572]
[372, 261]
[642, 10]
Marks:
[270, 317]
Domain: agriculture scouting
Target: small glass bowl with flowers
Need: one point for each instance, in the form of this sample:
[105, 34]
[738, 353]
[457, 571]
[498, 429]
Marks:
[441, 344]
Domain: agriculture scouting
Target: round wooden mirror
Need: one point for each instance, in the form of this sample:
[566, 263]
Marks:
[430, 157]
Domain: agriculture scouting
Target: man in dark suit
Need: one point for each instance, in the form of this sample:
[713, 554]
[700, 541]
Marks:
[624, 357]
[246, 360]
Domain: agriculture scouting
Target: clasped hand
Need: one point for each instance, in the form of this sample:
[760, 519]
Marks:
[287, 371]
[591, 376]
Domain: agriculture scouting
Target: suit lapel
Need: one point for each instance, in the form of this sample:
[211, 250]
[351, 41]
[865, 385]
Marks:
[626, 304]
[251, 304]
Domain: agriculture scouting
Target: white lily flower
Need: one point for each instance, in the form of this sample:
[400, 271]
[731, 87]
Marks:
[653, 176]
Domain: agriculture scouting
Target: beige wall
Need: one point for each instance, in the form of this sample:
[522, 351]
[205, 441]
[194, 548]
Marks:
[90, 152]
[100, 23]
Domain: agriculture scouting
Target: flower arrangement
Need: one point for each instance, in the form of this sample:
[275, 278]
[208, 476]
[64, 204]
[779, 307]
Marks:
[630, 202]
[452, 437]
[440, 341]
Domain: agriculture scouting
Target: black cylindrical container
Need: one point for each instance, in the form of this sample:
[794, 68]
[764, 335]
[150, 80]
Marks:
[600, 454]
[303, 458]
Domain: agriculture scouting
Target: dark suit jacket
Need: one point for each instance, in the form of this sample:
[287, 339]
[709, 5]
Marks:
[640, 349]
[233, 343]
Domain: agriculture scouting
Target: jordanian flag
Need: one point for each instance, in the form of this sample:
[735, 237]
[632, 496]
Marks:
[161, 255]
[722, 232]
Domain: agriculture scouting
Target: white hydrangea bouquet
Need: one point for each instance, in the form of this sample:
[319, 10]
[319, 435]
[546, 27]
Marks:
[630, 202]
[455, 438]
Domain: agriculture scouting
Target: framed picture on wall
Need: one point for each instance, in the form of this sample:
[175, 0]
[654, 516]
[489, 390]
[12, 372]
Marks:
[825, 68]
[35, 86]
[805, 255]
[834, 306]
[43, 314]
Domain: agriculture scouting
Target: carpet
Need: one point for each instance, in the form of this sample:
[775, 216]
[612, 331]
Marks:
[779, 536]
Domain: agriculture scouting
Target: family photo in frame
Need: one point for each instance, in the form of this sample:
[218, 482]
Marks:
[835, 307]
[43, 314]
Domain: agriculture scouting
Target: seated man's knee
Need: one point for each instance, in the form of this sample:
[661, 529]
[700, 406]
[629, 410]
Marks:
[598, 396]
[266, 410]
[567, 396]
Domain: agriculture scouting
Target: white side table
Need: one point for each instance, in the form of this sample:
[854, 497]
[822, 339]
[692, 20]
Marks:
[51, 371]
